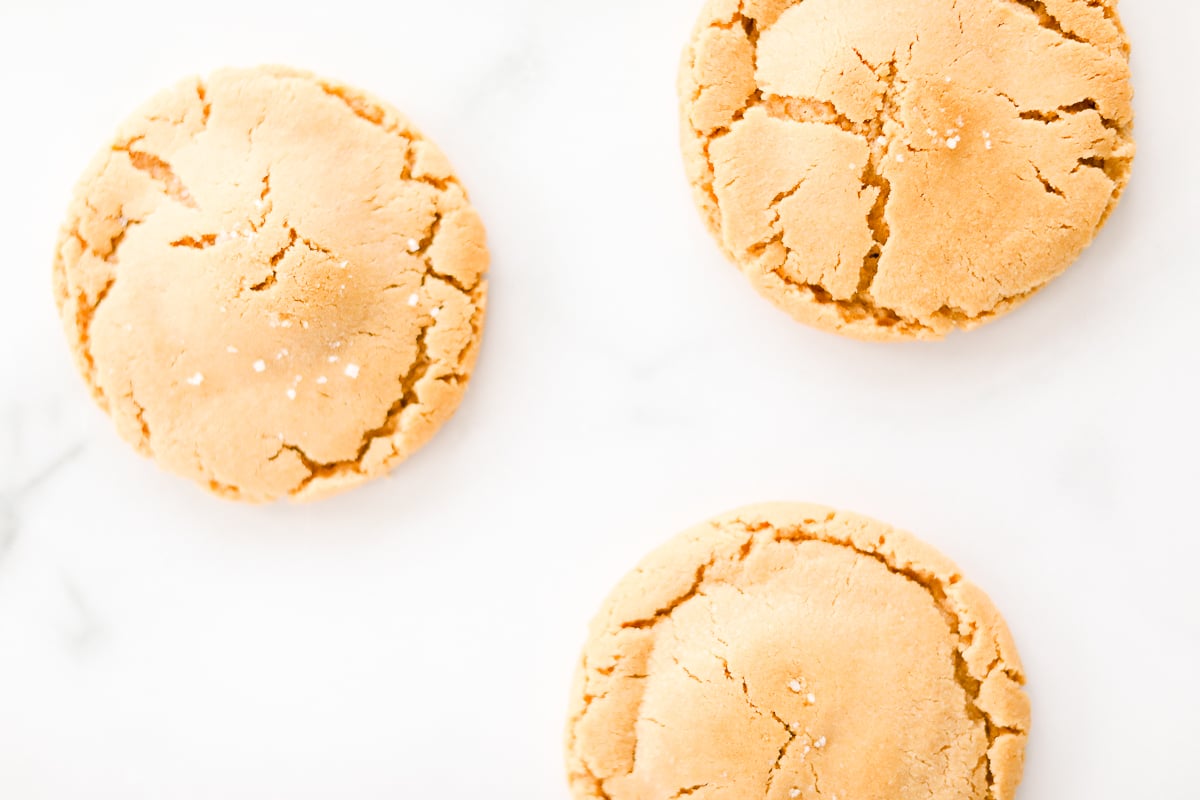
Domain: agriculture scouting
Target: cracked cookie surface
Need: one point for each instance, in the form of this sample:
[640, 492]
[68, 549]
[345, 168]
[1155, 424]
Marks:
[788, 651]
[273, 284]
[899, 170]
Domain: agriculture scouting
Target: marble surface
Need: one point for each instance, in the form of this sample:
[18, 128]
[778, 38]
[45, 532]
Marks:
[416, 638]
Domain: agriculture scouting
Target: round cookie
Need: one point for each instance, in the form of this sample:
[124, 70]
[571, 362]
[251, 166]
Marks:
[789, 651]
[273, 284]
[897, 170]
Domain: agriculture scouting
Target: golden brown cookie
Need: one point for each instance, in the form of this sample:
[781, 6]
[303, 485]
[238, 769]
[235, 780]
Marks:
[896, 170]
[789, 651]
[273, 284]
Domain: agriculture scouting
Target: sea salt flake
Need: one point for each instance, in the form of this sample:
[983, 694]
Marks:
[819, 743]
[952, 142]
[413, 300]
[352, 370]
[795, 686]
[196, 379]
[413, 245]
[321, 381]
[794, 793]
[260, 366]
[291, 394]
[334, 359]
[231, 349]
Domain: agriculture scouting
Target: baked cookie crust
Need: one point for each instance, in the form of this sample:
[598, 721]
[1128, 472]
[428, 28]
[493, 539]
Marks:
[790, 651]
[273, 284]
[899, 170]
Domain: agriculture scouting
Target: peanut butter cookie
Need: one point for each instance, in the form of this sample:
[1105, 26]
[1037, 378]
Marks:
[792, 652]
[273, 284]
[897, 170]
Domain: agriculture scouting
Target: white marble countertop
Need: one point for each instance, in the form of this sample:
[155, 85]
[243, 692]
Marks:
[416, 638]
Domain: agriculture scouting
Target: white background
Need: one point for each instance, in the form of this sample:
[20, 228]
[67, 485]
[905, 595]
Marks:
[416, 638]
